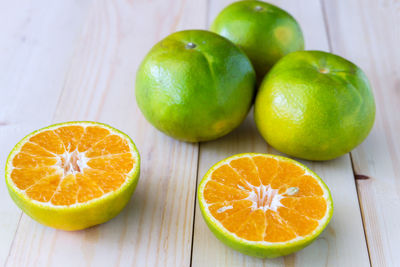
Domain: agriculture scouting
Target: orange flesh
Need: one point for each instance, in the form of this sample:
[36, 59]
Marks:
[72, 164]
[261, 198]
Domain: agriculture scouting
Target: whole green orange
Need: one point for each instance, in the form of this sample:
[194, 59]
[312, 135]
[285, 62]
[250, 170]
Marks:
[314, 105]
[264, 32]
[195, 85]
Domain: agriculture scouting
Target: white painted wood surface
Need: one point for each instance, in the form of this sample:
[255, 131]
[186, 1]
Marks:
[35, 48]
[372, 40]
[76, 60]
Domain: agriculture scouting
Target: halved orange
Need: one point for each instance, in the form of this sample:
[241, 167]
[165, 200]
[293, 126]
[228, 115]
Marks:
[73, 175]
[264, 205]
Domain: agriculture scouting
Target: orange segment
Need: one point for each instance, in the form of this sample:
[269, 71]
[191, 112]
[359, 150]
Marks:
[260, 197]
[67, 191]
[44, 189]
[276, 230]
[36, 150]
[107, 181]
[23, 160]
[50, 141]
[70, 136]
[216, 192]
[23, 178]
[88, 189]
[287, 174]
[92, 135]
[254, 227]
[122, 163]
[307, 186]
[236, 219]
[247, 169]
[112, 144]
[267, 168]
[222, 210]
[313, 207]
[300, 224]
[226, 175]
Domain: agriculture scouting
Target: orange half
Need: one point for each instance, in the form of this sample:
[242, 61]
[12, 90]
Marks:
[68, 174]
[264, 205]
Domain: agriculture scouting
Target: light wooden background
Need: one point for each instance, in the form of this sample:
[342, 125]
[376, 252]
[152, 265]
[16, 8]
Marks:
[76, 60]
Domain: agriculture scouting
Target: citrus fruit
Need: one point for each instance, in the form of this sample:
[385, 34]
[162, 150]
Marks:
[195, 86]
[264, 205]
[73, 175]
[264, 32]
[314, 105]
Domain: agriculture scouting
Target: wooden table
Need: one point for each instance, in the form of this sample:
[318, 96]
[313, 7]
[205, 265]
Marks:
[76, 60]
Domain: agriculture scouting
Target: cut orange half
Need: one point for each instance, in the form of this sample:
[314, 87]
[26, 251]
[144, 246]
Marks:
[264, 205]
[73, 175]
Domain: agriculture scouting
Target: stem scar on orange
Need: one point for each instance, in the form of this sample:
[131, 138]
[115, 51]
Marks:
[73, 175]
[264, 205]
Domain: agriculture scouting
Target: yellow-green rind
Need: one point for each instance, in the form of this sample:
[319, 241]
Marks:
[263, 31]
[314, 105]
[82, 215]
[261, 249]
[195, 85]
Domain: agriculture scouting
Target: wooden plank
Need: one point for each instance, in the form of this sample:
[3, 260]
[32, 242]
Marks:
[343, 242]
[156, 227]
[371, 39]
[35, 47]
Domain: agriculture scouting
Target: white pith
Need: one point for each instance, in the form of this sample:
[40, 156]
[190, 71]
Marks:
[72, 167]
[275, 204]
[265, 198]
[72, 162]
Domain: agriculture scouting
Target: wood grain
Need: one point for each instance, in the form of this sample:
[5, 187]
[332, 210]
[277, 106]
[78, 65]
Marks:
[371, 40]
[35, 49]
[76, 60]
[343, 242]
[156, 227]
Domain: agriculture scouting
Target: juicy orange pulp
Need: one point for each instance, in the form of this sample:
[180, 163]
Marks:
[72, 164]
[265, 199]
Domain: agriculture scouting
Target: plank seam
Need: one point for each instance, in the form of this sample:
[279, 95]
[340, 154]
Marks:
[325, 18]
[198, 159]
[361, 210]
[195, 203]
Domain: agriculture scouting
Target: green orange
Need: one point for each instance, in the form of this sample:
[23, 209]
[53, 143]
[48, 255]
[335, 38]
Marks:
[264, 32]
[195, 85]
[314, 105]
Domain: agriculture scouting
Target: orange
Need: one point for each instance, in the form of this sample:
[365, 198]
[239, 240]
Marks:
[314, 105]
[195, 85]
[73, 175]
[264, 205]
[263, 31]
